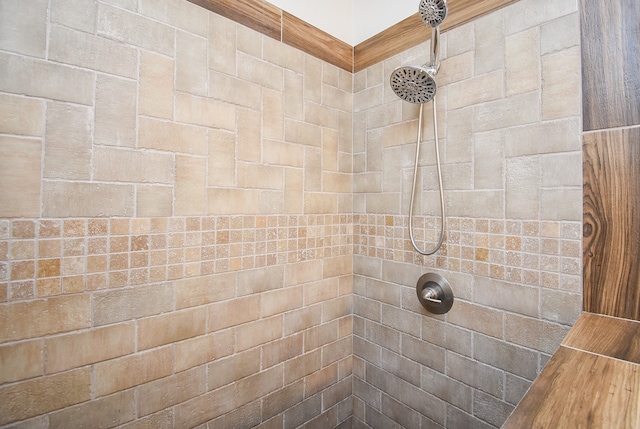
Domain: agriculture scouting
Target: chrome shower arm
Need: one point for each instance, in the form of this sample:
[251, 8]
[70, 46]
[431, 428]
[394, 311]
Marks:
[434, 65]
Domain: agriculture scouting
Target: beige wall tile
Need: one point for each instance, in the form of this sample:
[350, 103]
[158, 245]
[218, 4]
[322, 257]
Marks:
[131, 303]
[281, 153]
[236, 367]
[163, 393]
[21, 361]
[160, 420]
[260, 176]
[205, 290]
[490, 43]
[561, 87]
[315, 202]
[104, 412]
[517, 110]
[530, 13]
[259, 385]
[190, 187]
[303, 133]
[561, 204]
[115, 341]
[522, 187]
[68, 141]
[522, 62]
[205, 112]
[273, 104]
[560, 136]
[201, 350]
[19, 181]
[191, 63]
[115, 112]
[282, 350]
[88, 51]
[123, 165]
[254, 70]
[488, 161]
[281, 301]
[320, 291]
[77, 14]
[222, 44]
[456, 68]
[154, 200]
[64, 199]
[283, 55]
[560, 34]
[204, 408]
[22, 116]
[338, 266]
[36, 78]
[249, 135]
[233, 201]
[54, 315]
[222, 158]
[303, 272]
[123, 26]
[172, 137]
[235, 91]
[259, 332]
[119, 374]
[184, 15]
[293, 190]
[44, 394]
[232, 313]
[170, 328]
[23, 28]
[156, 86]
[477, 90]
[535, 334]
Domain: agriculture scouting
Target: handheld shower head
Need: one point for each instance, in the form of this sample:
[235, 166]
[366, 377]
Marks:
[417, 84]
[433, 12]
[414, 84]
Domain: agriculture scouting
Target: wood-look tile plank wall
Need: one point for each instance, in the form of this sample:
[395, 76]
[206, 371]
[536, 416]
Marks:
[611, 156]
[611, 63]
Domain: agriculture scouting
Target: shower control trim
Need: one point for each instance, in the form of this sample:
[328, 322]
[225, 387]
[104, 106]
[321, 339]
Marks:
[434, 293]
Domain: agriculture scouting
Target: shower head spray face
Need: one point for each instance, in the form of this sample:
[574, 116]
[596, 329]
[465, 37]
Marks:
[433, 12]
[413, 84]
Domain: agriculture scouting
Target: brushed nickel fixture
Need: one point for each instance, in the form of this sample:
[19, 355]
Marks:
[434, 293]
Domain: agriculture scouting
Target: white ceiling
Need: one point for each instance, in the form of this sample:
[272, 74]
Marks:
[352, 21]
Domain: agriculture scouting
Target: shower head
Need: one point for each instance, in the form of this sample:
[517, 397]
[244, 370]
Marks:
[417, 84]
[433, 12]
[414, 84]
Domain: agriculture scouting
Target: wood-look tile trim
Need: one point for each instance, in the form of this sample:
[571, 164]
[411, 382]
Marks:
[593, 380]
[316, 42]
[581, 389]
[270, 20]
[607, 336]
[412, 31]
[258, 15]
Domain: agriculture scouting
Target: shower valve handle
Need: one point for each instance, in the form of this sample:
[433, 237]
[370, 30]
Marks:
[431, 294]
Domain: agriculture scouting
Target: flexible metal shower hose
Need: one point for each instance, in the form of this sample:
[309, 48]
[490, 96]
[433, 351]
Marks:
[415, 176]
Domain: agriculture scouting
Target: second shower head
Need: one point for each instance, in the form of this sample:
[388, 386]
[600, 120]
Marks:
[433, 12]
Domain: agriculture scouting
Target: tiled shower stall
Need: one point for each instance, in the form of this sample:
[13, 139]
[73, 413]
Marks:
[204, 227]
